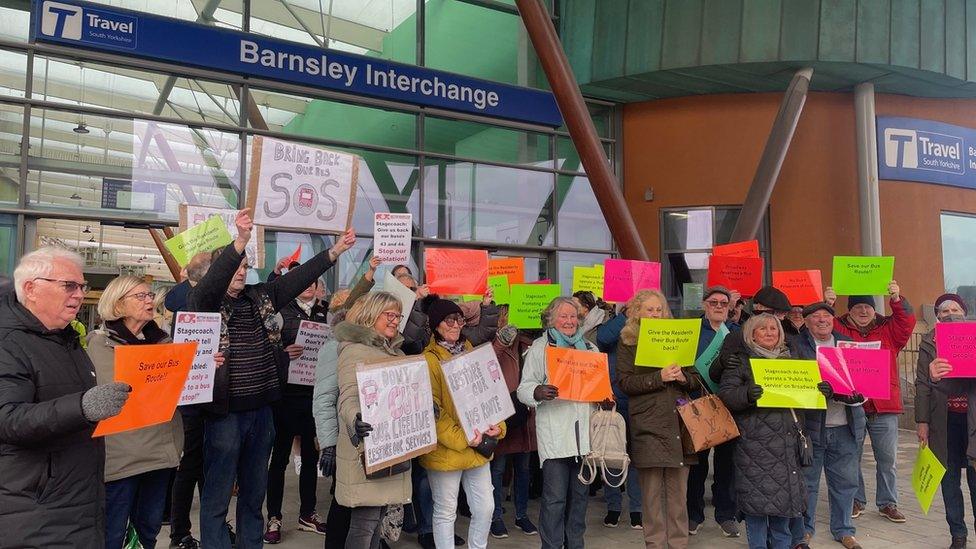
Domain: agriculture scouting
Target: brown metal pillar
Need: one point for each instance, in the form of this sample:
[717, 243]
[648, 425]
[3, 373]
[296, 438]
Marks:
[777, 145]
[581, 129]
[174, 267]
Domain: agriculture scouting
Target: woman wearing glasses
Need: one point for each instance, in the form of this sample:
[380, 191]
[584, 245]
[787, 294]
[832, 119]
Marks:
[456, 461]
[138, 463]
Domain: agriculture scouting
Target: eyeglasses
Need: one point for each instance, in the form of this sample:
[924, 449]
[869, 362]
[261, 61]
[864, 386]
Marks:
[69, 286]
[141, 296]
[454, 321]
[391, 316]
[717, 304]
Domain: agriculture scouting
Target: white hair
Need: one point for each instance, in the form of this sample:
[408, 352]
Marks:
[40, 263]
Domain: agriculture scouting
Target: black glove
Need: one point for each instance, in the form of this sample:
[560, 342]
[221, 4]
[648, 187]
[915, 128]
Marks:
[327, 461]
[826, 389]
[733, 361]
[545, 392]
[362, 430]
[607, 404]
[754, 392]
[855, 398]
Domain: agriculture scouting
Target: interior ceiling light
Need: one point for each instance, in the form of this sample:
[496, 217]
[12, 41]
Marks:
[87, 228]
[75, 196]
[91, 238]
[81, 128]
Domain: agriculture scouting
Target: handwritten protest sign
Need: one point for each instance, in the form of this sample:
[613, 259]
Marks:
[749, 248]
[801, 287]
[583, 376]
[293, 185]
[396, 399]
[203, 329]
[862, 275]
[662, 342]
[311, 336]
[926, 477]
[704, 362]
[391, 237]
[528, 301]
[868, 370]
[191, 216]
[157, 374]
[205, 237]
[859, 344]
[406, 296]
[588, 279]
[788, 383]
[622, 278]
[743, 274]
[956, 342]
[455, 271]
[512, 267]
[478, 389]
[500, 288]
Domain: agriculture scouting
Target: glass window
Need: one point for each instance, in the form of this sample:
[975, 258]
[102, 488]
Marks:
[568, 260]
[536, 265]
[11, 129]
[14, 20]
[8, 244]
[567, 158]
[133, 91]
[129, 166]
[958, 261]
[485, 142]
[13, 71]
[385, 29]
[602, 119]
[325, 119]
[223, 13]
[580, 221]
[465, 201]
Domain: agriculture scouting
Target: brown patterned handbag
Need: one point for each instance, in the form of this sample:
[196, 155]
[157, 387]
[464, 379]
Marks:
[708, 421]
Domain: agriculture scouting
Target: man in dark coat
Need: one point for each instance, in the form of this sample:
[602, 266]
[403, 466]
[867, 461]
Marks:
[52, 492]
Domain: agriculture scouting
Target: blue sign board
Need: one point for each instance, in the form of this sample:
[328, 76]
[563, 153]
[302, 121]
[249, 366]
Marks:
[109, 29]
[911, 149]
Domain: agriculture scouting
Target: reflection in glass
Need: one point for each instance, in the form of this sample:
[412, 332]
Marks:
[581, 223]
[11, 126]
[13, 71]
[568, 260]
[958, 261]
[484, 142]
[14, 21]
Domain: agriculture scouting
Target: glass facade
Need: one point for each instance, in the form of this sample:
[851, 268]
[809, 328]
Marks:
[95, 149]
[958, 262]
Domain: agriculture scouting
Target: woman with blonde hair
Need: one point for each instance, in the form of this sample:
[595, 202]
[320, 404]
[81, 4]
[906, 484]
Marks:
[656, 431]
[369, 334]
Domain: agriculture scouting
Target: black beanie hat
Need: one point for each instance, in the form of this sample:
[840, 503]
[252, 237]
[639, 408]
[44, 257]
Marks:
[772, 298]
[440, 309]
[860, 300]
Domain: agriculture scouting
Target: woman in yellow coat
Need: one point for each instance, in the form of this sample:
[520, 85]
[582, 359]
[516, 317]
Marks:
[456, 460]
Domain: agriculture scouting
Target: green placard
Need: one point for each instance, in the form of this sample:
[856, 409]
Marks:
[471, 297]
[528, 301]
[862, 275]
[662, 342]
[926, 477]
[205, 237]
[499, 285]
[704, 362]
[692, 294]
[788, 383]
[588, 279]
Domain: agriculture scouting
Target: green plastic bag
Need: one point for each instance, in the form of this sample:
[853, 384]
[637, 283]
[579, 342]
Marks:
[131, 538]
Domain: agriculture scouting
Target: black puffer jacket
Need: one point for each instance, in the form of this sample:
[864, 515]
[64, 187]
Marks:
[292, 316]
[51, 470]
[768, 478]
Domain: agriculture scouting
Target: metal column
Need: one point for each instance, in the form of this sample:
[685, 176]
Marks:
[869, 209]
[581, 130]
[771, 161]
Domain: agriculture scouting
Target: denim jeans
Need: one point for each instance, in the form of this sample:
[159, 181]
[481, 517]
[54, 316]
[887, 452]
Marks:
[837, 457]
[957, 438]
[423, 502]
[883, 430]
[765, 532]
[562, 520]
[235, 447]
[445, 485]
[520, 482]
[723, 485]
[364, 528]
[614, 496]
[139, 499]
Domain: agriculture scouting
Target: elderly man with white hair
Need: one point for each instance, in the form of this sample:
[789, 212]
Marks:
[51, 469]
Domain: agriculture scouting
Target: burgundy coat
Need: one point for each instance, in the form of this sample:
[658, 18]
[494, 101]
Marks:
[522, 438]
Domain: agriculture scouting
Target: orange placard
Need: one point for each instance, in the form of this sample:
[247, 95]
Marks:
[801, 287]
[157, 374]
[455, 271]
[749, 248]
[743, 274]
[583, 376]
[513, 267]
[295, 257]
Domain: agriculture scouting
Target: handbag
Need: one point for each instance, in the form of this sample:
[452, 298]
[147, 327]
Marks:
[804, 447]
[707, 420]
[395, 469]
[487, 446]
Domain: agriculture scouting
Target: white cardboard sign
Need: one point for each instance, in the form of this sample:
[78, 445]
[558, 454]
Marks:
[480, 394]
[203, 328]
[391, 237]
[859, 345]
[406, 296]
[311, 336]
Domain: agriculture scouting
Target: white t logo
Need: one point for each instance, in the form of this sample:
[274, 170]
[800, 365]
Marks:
[61, 20]
[900, 148]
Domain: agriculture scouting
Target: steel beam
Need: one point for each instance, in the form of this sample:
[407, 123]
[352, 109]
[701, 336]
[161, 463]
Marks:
[869, 202]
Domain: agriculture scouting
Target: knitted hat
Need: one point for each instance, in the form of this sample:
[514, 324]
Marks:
[818, 306]
[716, 290]
[951, 297]
[772, 298]
[860, 300]
[439, 310]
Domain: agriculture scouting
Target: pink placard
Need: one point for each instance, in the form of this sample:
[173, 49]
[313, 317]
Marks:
[622, 278]
[956, 342]
[868, 369]
[833, 371]
[543, 281]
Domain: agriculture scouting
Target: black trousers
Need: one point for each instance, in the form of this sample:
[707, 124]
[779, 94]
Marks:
[723, 485]
[293, 417]
[189, 475]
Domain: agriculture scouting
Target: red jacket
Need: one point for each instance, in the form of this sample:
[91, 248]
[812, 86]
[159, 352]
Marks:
[893, 332]
[522, 438]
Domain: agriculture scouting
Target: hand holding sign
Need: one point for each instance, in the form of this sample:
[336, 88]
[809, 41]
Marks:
[244, 225]
[343, 243]
[939, 368]
[862, 275]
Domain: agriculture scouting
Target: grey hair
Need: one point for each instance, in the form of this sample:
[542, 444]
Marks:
[197, 267]
[40, 263]
[549, 315]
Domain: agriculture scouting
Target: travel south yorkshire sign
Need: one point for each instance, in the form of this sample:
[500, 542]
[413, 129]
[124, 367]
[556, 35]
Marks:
[109, 29]
[910, 149]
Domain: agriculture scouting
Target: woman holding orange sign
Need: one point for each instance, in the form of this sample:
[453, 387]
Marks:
[656, 429]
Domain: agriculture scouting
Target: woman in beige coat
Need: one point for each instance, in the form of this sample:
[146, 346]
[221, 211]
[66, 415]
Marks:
[369, 334]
